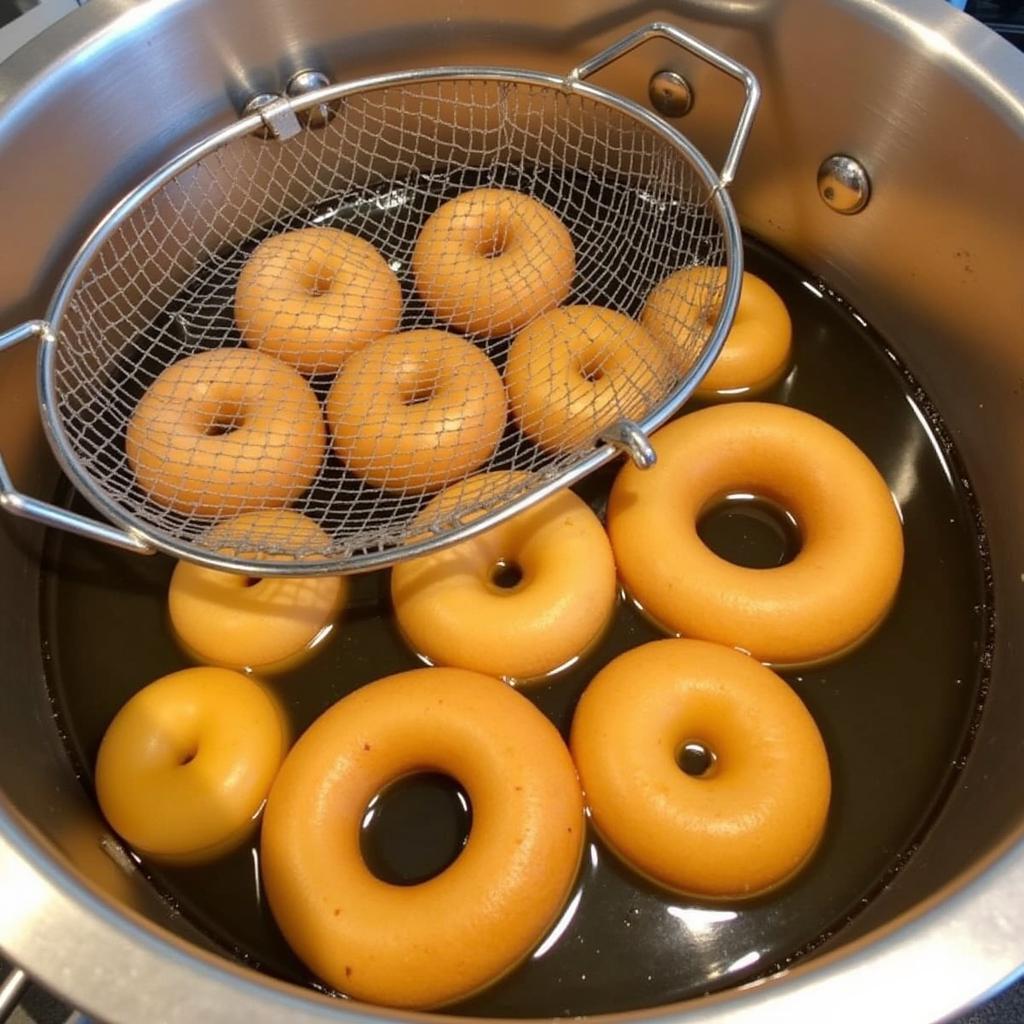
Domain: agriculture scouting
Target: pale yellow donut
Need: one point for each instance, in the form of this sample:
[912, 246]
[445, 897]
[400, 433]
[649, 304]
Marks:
[577, 370]
[185, 766]
[266, 624]
[450, 610]
[224, 432]
[313, 297]
[756, 353]
[441, 940]
[829, 597]
[752, 819]
[490, 260]
[417, 410]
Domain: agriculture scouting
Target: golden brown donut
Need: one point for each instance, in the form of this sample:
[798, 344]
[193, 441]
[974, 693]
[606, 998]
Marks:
[266, 624]
[313, 297]
[185, 766]
[491, 260]
[577, 370]
[451, 611]
[835, 591]
[756, 353]
[441, 940]
[417, 410]
[224, 432]
[756, 814]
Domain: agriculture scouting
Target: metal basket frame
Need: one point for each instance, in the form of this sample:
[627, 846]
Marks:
[279, 119]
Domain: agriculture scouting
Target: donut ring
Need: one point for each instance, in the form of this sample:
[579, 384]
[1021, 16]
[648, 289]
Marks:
[266, 624]
[414, 411]
[835, 591]
[314, 296]
[403, 946]
[576, 370]
[756, 352]
[752, 819]
[224, 432]
[451, 611]
[490, 260]
[185, 766]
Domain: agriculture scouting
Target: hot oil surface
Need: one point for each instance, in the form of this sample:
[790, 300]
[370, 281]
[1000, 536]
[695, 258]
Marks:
[895, 714]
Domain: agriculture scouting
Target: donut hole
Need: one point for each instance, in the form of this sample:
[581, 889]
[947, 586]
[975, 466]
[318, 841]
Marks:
[224, 418]
[750, 531]
[696, 759]
[415, 828]
[416, 392]
[493, 242]
[506, 575]
[317, 281]
[591, 367]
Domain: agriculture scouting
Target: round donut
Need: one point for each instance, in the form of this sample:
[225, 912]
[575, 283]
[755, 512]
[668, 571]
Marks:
[415, 411]
[576, 370]
[313, 297]
[835, 591]
[756, 353]
[224, 432]
[185, 766]
[265, 624]
[745, 825]
[429, 944]
[490, 260]
[451, 610]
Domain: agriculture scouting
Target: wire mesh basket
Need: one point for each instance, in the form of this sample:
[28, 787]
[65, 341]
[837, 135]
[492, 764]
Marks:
[201, 361]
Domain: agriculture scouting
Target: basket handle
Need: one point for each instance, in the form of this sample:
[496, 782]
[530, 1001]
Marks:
[660, 30]
[18, 504]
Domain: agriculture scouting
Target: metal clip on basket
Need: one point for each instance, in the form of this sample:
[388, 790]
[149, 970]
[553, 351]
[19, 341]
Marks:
[155, 283]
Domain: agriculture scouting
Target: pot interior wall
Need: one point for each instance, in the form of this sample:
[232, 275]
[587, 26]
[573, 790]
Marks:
[933, 263]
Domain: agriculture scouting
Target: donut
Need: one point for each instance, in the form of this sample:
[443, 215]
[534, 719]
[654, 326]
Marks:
[185, 766]
[556, 555]
[681, 311]
[224, 432]
[752, 818]
[577, 370]
[835, 591]
[265, 624]
[417, 410]
[313, 297]
[428, 944]
[490, 260]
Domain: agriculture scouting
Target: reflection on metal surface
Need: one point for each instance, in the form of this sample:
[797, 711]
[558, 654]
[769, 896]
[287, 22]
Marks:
[670, 93]
[843, 184]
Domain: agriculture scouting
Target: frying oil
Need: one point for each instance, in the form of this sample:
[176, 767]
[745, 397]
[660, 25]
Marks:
[895, 714]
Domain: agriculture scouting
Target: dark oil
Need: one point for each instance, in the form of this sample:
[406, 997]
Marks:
[895, 714]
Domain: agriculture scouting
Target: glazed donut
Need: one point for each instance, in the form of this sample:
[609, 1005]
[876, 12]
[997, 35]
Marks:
[835, 591]
[756, 352]
[576, 370]
[265, 624]
[224, 432]
[429, 944]
[451, 610]
[185, 766]
[490, 260]
[415, 411]
[313, 297]
[752, 818]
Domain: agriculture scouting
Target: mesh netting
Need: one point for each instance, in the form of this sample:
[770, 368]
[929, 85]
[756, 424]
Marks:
[294, 380]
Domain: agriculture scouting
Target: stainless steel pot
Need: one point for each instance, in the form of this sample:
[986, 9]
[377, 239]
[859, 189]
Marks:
[931, 105]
